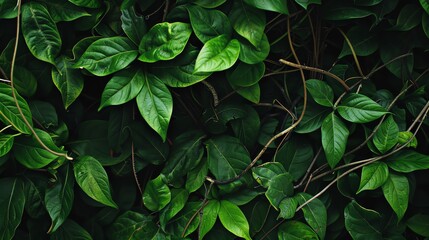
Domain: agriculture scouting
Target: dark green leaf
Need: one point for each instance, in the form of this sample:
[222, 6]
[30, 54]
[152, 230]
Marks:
[296, 230]
[248, 21]
[313, 118]
[35, 187]
[86, 3]
[156, 194]
[288, 208]
[396, 190]
[176, 226]
[209, 217]
[9, 113]
[314, 213]
[419, 223]
[132, 226]
[346, 13]
[8, 9]
[246, 75]
[12, 202]
[179, 76]
[296, 156]
[425, 5]
[408, 161]
[250, 54]
[6, 143]
[242, 196]
[70, 230]
[65, 11]
[25, 82]
[321, 92]
[233, 219]
[208, 3]
[264, 173]
[148, 145]
[364, 43]
[409, 17]
[251, 93]
[386, 136]
[44, 113]
[69, 81]
[305, 3]
[362, 223]
[179, 198]
[216, 119]
[279, 188]
[389, 51]
[373, 176]
[247, 129]
[334, 139]
[358, 108]
[80, 47]
[196, 177]
[274, 5]
[133, 25]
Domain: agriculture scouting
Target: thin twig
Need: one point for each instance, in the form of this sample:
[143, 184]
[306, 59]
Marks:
[133, 163]
[167, 5]
[309, 169]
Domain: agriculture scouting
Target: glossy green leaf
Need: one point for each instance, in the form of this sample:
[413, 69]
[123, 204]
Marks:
[358, 108]
[419, 223]
[6, 143]
[373, 176]
[155, 104]
[296, 230]
[274, 5]
[8, 9]
[334, 139]
[313, 118]
[226, 156]
[196, 177]
[233, 219]
[209, 217]
[425, 5]
[362, 223]
[209, 3]
[208, 24]
[396, 190]
[179, 76]
[179, 197]
[288, 208]
[296, 156]
[247, 128]
[68, 81]
[217, 54]
[247, 21]
[250, 54]
[409, 17]
[251, 93]
[132, 226]
[305, 3]
[321, 92]
[264, 173]
[408, 161]
[107, 55]
[65, 11]
[86, 3]
[80, 47]
[124, 86]
[164, 41]
[279, 188]
[9, 113]
[93, 180]
[176, 226]
[40, 32]
[386, 136]
[408, 139]
[246, 75]
[364, 43]
[12, 202]
[133, 25]
[314, 213]
[70, 230]
[346, 13]
[156, 194]
[24, 81]
[59, 198]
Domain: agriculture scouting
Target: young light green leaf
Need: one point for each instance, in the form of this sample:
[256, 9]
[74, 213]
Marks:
[70, 230]
[9, 113]
[209, 217]
[296, 230]
[40, 32]
[124, 86]
[314, 213]
[250, 54]
[156, 194]
[133, 25]
[305, 3]
[233, 219]
[296, 156]
[164, 41]
[12, 202]
[396, 190]
[364, 43]
[6, 143]
[93, 180]
[132, 225]
[358, 108]
[273, 5]
[288, 208]
[179, 197]
[408, 138]
[246, 75]
[65, 11]
[217, 54]
[419, 223]
[155, 104]
[362, 223]
[279, 188]
[373, 176]
[180, 76]
[408, 161]
[86, 3]
[107, 55]
[334, 139]
[264, 173]
[68, 81]
[386, 136]
[321, 92]
[247, 21]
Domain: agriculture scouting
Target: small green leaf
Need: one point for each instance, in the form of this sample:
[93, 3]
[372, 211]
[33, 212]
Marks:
[182, 224]
[209, 217]
[179, 76]
[334, 139]
[196, 177]
[217, 54]
[314, 213]
[156, 194]
[164, 41]
[251, 93]
[247, 21]
[107, 55]
[133, 25]
[86, 3]
[250, 54]
[6, 143]
[305, 3]
[12, 202]
[313, 118]
[40, 32]
[419, 223]
[179, 197]
[68, 81]
[407, 138]
[264, 173]
[296, 230]
[364, 42]
[321, 92]
[246, 75]
[92, 179]
[362, 223]
[386, 136]
[9, 113]
[373, 176]
[279, 188]
[396, 190]
[358, 108]
[44, 113]
[247, 128]
[70, 230]
[273, 5]
[288, 208]
[233, 219]
[408, 161]
[132, 226]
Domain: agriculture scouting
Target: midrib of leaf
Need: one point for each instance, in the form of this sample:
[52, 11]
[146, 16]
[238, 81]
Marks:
[153, 99]
[367, 223]
[9, 120]
[10, 200]
[208, 23]
[312, 213]
[110, 56]
[33, 14]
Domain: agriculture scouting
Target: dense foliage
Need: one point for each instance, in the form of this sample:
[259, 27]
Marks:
[214, 119]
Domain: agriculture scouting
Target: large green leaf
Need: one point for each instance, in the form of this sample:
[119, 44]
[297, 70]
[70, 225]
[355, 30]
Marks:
[279, 188]
[86, 3]
[133, 25]
[358, 108]
[296, 230]
[362, 223]
[266, 172]
[247, 128]
[107, 55]
[226, 156]
[179, 197]
[409, 17]
[321, 92]
[179, 76]
[69, 81]
[396, 190]
[373, 176]
[217, 54]
[44, 113]
[6, 143]
[65, 11]
[155, 104]
[334, 139]
[247, 21]
[209, 217]
[40, 32]
[233, 219]
[12, 202]
[93, 180]
[35, 187]
[246, 75]
[207, 23]
[132, 226]
[314, 213]
[387, 135]
[9, 113]
[124, 86]
[273, 5]
[70, 230]
[250, 54]
[288, 208]
[408, 161]
[305, 3]
[164, 41]
[156, 194]
[364, 43]
[59, 198]
[419, 223]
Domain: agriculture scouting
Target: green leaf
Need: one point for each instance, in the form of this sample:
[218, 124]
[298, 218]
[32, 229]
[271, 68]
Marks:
[65, 11]
[408, 138]
[155, 104]
[419, 223]
[6, 143]
[251, 93]
[124, 86]
[321, 92]
[68, 81]
[288, 208]
[334, 139]
[217, 54]
[314, 213]
[164, 41]
[92, 179]
[176, 226]
[226, 156]
[9, 113]
[207, 23]
[296, 230]
[208, 3]
[35, 187]
[12, 202]
[70, 230]
[44, 113]
[273, 5]
[250, 54]
[362, 223]
[386, 136]
[209, 217]
[425, 5]
[196, 177]
[247, 128]
[132, 226]
[59, 198]
[409, 17]
[358, 108]
[233, 219]
[148, 145]
[179, 197]
[279, 188]
[305, 3]
[247, 21]
[25, 82]
[133, 25]
[8, 9]
[107, 55]
[396, 190]
[389, 50]
[40, 32]
[246, 75]
[363, 41]
[373, 176]
[86, 3]
[264, 173]
[345, 13]
[408, 161]
[156, 194]
[313, 118]
[179, 76]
